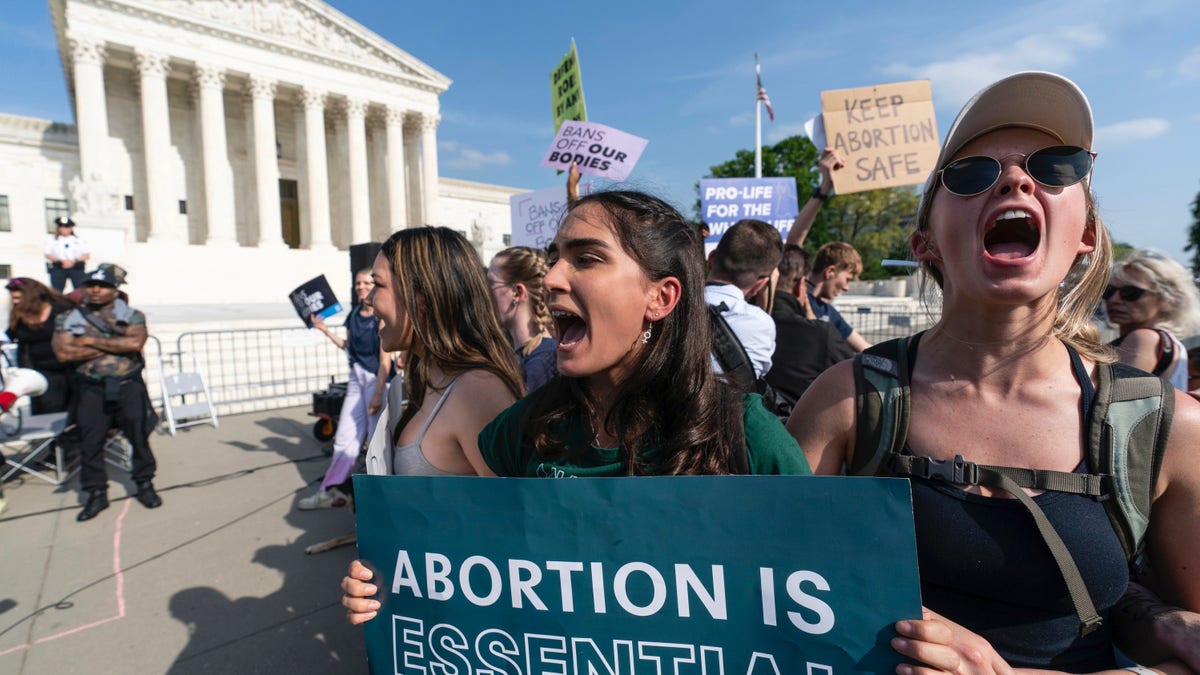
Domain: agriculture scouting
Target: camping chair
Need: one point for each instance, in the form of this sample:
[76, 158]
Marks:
[34, 439]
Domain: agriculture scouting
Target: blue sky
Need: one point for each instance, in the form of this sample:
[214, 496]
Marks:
[682, 75]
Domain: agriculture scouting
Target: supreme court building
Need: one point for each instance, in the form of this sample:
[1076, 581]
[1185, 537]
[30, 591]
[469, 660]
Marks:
[229, 150]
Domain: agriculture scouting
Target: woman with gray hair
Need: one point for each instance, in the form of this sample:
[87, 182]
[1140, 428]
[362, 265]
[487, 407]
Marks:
[1152, 299]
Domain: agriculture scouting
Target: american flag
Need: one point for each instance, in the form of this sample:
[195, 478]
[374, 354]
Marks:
[761, 94]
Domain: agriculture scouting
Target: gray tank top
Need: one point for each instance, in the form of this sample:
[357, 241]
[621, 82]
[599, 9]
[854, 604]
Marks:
[408, 460]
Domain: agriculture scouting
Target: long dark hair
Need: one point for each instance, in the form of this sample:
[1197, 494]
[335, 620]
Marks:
[34, 296]
[672, 401]
[450, 312]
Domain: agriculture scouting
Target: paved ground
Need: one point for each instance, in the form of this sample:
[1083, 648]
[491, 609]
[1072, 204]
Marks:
[214, 581]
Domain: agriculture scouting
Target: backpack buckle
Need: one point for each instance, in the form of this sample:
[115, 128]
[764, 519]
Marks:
[957, 470]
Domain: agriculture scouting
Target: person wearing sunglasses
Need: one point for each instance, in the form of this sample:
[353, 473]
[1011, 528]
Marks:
[1008, 229]
[1151, 299]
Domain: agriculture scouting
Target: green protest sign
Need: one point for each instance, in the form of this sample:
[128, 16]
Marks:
[715, 575]
[566, 90]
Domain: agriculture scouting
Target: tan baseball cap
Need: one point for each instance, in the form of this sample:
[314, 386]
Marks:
[1032, 99]
[1038, 100]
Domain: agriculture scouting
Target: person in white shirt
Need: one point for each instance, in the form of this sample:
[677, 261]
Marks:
[740, 267]
[66, 255]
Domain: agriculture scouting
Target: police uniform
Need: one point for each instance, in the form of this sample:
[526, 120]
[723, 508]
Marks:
[69, 247]
[110, 393]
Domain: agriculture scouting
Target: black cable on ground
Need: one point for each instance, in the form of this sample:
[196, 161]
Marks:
[197, 483]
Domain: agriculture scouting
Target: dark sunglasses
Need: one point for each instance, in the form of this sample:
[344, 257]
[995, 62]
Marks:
[1057, 166]
[1127, 293]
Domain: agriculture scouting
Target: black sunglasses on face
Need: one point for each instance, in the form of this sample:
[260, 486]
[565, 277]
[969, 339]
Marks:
[1127, 293]
[1057, 166]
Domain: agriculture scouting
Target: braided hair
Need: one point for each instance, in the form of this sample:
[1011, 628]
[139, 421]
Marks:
[527, 266]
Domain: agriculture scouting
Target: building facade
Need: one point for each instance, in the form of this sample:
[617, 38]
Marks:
[228, 150]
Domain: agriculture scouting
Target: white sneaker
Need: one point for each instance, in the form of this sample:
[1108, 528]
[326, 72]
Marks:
[323, 499]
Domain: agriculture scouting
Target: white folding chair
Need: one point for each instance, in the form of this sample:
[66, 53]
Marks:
[176, 388]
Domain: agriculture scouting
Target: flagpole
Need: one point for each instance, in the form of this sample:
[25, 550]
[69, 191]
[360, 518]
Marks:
[757, 123]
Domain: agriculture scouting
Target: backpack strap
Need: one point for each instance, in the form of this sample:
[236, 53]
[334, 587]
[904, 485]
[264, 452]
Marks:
[728, 349]
[1131, 424]
[962, 472]
[881, 405]
[1166, 352]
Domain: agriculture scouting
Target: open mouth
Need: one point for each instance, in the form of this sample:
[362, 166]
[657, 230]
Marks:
[570, 327]
[1013, 235]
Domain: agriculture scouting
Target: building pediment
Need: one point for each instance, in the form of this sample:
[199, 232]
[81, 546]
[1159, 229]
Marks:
[308, 29]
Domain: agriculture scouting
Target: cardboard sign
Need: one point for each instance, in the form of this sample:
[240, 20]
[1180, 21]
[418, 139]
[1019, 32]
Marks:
[537, 215]
[566, 89]
[598, 149]
[724, 201]
[887, 133]
[646, 576]
[314, 297]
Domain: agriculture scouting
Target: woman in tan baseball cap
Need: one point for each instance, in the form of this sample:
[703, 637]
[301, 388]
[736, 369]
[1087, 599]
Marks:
[1034, 461]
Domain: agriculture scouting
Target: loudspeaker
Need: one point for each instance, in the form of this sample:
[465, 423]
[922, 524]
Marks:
[362, 257]
[20, 382]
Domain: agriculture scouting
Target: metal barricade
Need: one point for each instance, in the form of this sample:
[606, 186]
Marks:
[261, 369]
[878, 324]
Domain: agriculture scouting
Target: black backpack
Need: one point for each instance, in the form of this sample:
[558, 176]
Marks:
[735, 362]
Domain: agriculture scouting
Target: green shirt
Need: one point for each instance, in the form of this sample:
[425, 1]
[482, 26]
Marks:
[770, 449]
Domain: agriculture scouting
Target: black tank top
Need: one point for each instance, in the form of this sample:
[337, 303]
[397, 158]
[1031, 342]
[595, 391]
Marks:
[984, 565]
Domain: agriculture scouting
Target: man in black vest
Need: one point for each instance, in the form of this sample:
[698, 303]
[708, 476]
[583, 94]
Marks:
[104, 337]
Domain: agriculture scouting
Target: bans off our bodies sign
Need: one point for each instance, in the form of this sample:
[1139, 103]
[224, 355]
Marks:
[887, 133]
[733, 575]
[599, 150]
[536, 215]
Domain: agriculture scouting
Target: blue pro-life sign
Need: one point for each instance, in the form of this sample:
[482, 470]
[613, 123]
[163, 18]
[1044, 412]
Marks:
[706, 575]
[724, 201]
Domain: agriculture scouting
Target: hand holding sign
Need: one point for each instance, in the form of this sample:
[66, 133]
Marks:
[314, 297]
[598, 150]
[357, 592]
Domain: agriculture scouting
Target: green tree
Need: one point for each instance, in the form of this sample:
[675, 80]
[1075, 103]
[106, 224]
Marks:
[876, 222]
[1194, 236]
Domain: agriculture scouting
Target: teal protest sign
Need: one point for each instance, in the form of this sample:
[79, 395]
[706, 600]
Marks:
[717, 575]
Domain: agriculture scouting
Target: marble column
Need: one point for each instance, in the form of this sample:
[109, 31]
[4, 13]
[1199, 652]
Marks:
[91, 105]
[412, 170]
[218, 176]
[356, 151]
[316, 169]
[152, 69]
[429, 169]
[261, 91]
[396, 185]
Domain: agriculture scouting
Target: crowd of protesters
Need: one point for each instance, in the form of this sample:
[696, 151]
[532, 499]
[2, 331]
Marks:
[620, 351]
[1008, 230]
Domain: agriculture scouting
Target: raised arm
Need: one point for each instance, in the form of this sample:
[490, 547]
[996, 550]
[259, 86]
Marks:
[573, 177]
[318, 322]
[830, 161]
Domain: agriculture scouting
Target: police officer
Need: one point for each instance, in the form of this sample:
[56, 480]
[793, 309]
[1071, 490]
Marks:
[65, 255]
[104, 336]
